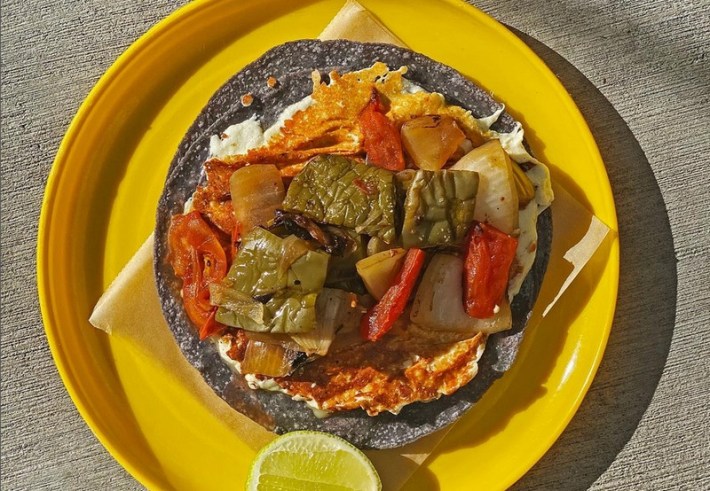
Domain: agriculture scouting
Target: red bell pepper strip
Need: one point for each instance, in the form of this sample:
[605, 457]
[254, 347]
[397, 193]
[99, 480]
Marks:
[382, 142]
[198, 258]
[489, 255]
[382, 316]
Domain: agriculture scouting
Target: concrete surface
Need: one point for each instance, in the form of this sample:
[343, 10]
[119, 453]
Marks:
[639, 72]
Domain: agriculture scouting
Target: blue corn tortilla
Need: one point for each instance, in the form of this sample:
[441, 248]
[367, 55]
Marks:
[292, 64]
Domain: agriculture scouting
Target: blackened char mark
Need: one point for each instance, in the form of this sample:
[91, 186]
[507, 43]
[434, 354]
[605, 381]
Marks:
[306, 229]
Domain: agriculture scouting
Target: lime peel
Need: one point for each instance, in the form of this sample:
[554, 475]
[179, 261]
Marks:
[312, 460]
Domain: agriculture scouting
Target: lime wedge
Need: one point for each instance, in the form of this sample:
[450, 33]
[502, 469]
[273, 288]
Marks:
[311, 460]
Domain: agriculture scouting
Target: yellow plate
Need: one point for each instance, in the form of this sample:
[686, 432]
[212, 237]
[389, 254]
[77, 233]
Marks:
[105, 183]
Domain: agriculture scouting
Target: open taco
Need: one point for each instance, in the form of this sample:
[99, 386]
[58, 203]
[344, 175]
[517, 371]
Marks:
[351, 239]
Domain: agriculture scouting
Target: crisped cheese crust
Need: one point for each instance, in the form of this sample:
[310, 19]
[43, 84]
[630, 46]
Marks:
[408, 365]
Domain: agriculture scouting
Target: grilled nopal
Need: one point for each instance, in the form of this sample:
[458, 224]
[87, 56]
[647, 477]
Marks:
[268, 266]
[342, 191]
[438, 208]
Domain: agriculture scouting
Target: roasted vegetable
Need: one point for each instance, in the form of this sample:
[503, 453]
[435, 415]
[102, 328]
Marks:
[255, 270]
[381, 138]
[438, 208]
[267, 359]
[211, 326]
[199, 260]
[335, 309]
[305, 228]
[257, 190]
[497, 198]
[403, 180]
[308, 273]
[379, 319]
[287, 311]
[259, 267]
[292, 312]
[292, 249]
[375, 245]
[235, 303]
[439, 304]
[379, 270]
[234, 238]
[523, 185]
[283, 273]
[341, 269]
[283, 340]
[489, 254]
[431, 140]
[340, 191]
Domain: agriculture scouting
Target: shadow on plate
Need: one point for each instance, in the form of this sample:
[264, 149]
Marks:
[543, 342]
[645, 315]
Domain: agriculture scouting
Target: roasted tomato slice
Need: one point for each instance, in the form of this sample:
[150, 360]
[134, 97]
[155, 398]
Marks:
[382, 140]
[489, 255]
[382, 316]
[198, 258]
